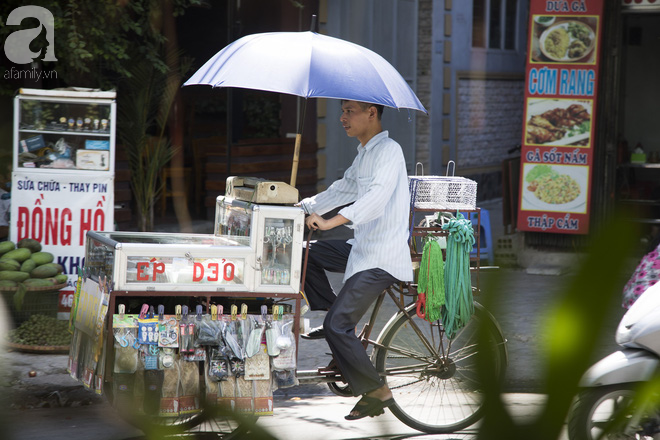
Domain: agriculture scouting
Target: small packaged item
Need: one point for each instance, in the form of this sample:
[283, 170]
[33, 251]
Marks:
[168, 331]
[189, 385]
[208, 332]
[257, 362]
[186, 333]
[169, 401]
[151, 355]
[218, 365]
[92, 144]
[286, 359]
[153, 388]
[93, 160]
[256, 334]
[125, 330]
[272, 333]
[123, 390]
[147, 327]
[32, 144]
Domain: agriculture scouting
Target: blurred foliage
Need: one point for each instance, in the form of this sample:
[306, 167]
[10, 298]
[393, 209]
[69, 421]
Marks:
[95, 39]
[572, 327]
[262, 116]
[143, 112]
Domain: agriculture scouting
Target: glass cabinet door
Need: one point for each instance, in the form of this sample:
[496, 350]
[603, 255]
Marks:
[61, 134]
[277, 251]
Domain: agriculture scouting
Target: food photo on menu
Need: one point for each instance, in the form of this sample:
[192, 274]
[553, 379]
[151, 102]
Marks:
[558, 188]
[558, 122]
[564, 39]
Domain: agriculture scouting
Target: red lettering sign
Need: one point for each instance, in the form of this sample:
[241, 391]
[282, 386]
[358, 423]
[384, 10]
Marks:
[209, 272]
[141, 275]
[198, 272]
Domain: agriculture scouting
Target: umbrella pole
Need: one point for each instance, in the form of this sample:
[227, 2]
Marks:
[296, 150]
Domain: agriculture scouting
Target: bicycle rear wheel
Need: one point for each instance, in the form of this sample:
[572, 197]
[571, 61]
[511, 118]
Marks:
[433, 379]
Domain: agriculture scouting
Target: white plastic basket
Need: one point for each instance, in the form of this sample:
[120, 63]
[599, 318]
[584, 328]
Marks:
[442, 193]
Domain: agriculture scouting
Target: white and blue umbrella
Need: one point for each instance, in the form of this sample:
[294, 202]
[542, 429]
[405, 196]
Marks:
[308, 65]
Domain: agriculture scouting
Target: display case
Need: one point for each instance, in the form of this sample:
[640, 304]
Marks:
[64, 130]
[275, 233]
[255, 248]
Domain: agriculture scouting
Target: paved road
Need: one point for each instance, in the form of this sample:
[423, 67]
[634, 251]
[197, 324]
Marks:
[306, 418]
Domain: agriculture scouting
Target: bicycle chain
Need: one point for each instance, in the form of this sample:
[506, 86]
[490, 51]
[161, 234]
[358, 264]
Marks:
[405, 385]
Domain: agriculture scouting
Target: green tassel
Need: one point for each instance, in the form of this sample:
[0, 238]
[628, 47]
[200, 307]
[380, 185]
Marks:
[459, 305]
[431, 279]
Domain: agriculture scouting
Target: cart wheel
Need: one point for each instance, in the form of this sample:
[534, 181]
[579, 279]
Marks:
[211, 419]
[341, 389]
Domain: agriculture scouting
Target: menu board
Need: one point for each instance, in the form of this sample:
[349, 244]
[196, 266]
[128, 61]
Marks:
[559, 116]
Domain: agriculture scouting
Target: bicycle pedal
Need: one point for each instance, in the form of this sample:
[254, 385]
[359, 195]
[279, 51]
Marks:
[330, 373]
[328, 370]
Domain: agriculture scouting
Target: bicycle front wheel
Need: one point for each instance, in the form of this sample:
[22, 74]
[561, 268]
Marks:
[434, 379]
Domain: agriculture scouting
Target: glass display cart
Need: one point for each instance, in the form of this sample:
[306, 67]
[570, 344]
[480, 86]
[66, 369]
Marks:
[251, 263]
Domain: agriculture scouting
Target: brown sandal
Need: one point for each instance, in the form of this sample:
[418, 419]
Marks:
[369, 406]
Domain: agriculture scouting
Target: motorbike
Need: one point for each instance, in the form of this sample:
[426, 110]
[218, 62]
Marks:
[605, 407]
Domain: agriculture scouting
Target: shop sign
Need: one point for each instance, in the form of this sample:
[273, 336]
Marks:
[559, 116]
[57, 210]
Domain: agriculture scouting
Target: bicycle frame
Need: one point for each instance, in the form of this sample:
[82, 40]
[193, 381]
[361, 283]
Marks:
[331, 374]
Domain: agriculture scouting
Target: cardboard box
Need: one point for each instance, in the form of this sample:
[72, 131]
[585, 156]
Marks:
[92, 160]
[32, 144]
[96, 145]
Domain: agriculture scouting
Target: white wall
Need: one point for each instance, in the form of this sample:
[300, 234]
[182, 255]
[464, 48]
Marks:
[389, 28]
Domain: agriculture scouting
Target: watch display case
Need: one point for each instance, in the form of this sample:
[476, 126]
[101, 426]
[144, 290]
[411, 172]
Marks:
[62, 130]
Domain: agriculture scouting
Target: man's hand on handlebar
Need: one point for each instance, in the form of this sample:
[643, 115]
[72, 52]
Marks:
[315, 221]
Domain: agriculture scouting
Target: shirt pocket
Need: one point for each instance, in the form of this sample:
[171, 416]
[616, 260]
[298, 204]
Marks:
[363, 184]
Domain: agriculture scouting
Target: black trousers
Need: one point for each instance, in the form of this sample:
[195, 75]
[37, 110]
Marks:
[345, 310]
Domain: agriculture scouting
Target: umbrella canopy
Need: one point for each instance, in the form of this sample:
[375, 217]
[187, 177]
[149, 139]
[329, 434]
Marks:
[309, 65]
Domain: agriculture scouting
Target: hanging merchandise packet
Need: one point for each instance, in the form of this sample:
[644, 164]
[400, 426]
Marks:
[286, 359]
[125, 330]
[257, 362]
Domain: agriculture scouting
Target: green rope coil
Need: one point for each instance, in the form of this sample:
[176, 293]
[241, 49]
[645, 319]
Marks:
[431, 279]
[459, 306]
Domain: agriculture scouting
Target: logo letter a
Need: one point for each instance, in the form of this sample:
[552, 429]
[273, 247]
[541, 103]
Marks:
[17, 44]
